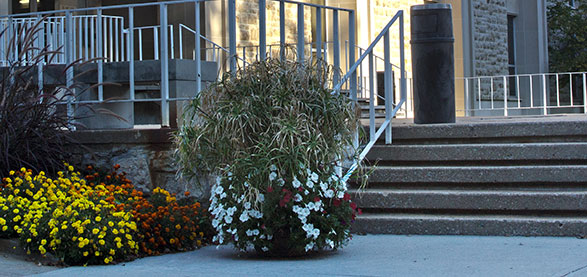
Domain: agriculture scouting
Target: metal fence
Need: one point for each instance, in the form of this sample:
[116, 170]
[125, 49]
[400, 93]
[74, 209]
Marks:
[525, 94]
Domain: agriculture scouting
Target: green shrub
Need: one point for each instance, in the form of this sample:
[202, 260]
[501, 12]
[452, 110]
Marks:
[274, 135]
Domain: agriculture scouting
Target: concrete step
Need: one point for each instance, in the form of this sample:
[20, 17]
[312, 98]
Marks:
[472, 200]
[535, 153]
[479, 174]
[547, 129]
[456, 224]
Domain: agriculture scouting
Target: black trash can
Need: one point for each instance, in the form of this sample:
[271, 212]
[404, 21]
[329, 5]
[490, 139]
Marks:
[433, 63]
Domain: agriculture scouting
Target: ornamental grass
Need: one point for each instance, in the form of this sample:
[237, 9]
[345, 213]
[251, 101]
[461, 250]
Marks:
[274, 135]
[95, 218]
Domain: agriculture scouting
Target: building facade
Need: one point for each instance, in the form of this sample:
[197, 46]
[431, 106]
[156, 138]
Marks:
[492, 37]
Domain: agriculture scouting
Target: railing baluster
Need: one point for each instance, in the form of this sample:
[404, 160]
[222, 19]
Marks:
[116, 45]
[467, 108]
[131, 52]
[371, 98]
[171, 39]
[301, 42]
[571, 87]
[69, 64]
[318, 33]
[156, 42]
[232, 35]
[86, 27]
[351, 59]
[262, 30]
[336, 46]
[388, 82]
[92, 50]
[558, 97]
[164, 66]
[197, 51]
[585, 93]
[479, 91]
[531, 91]
[491, 78]
[518, 90]
[40, 45]
[282, 30]
[100, 54]
[505, 96]
[544, 100]
[140, 44]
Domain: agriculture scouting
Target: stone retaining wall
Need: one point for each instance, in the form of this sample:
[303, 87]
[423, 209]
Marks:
[145, 155]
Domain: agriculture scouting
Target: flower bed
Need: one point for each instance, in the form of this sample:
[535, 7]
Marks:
[94, 219]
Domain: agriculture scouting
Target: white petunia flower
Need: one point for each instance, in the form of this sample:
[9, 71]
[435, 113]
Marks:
[297, 197]
[296, 183]
[329, 193]
[247, 205]
[228, 219]
[261, 198]
[323, 186]
[309, 184]
[273, 167]
[314, 177]
[272, 176]
[265, 249]
[309, 246]
[340, 194]
[244, 216]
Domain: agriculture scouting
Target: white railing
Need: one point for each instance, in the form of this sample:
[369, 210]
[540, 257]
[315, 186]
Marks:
[525, 94]
[53, 33]
[79, 37]
[391, 108]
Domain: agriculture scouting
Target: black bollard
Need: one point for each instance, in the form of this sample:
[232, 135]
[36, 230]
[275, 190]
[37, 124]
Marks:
[433, 63]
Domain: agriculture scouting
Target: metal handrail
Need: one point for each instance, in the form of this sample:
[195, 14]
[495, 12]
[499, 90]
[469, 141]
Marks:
[389, 111]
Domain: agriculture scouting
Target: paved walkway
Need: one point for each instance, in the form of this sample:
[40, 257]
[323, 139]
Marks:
[372, 255]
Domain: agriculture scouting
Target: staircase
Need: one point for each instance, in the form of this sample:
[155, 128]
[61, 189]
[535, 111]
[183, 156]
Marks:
[523, 177]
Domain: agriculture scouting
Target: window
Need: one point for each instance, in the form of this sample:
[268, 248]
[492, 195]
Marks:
[23, 6]
[512, 54]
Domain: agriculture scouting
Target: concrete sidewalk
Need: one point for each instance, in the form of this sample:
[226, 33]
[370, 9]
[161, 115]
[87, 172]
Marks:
[373, 255]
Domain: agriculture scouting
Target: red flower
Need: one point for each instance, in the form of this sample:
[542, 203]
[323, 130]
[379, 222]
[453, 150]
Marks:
[269, 189]
[300, 189]
[336, 202]
[353, 205]
[316, 199]
[347, 197]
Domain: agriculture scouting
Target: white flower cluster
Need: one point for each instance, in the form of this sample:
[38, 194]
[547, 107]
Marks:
[223, 216]
[310, 194]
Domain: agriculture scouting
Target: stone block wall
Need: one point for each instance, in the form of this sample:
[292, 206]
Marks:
[490, 41]
[145, 155]
[247, 20]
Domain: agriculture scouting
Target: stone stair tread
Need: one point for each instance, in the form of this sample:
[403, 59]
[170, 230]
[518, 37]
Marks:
[490, 217]
[510, 200]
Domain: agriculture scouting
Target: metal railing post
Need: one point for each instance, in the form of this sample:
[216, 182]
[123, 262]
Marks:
[467, 105]
[505, 96]
[318, 33]
[282, 30]
[387, 85]
[11, 42]
[69, 65]
[262, 30]
[402, 57]
[40, 46]
[545, 108]
[131, 52]
[585, 93]
[336, 46]
[351, 58]
[232, 35]
[100, 54]
[371, 97]
[301, 42]
[197, 48]
[164, 66]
